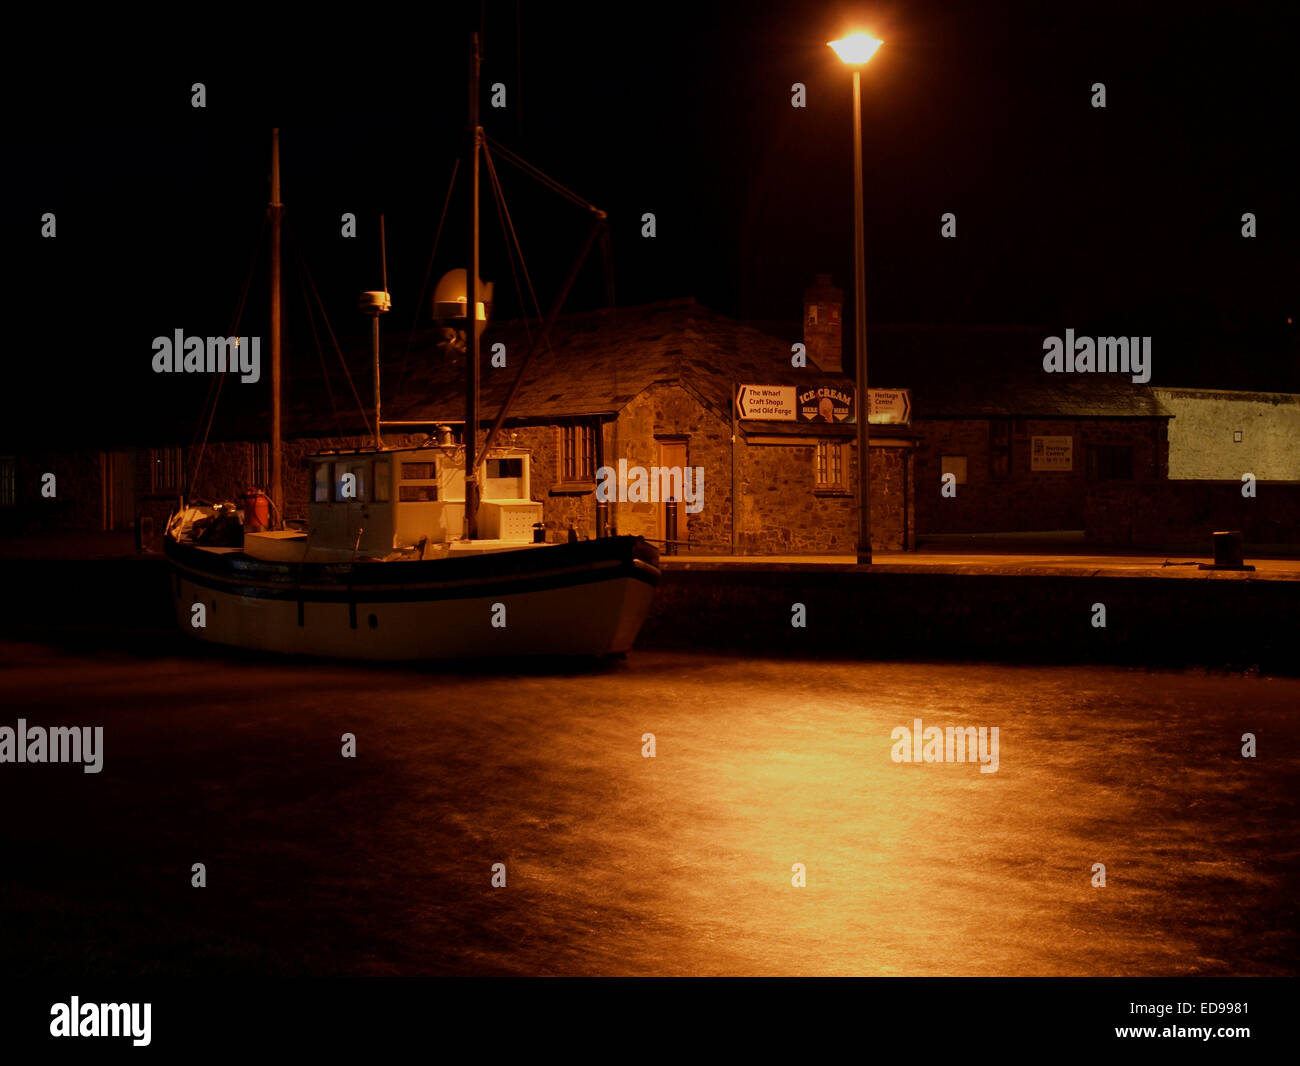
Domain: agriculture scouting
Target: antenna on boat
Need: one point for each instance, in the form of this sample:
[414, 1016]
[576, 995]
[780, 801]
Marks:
[276, 208]
[375, 304]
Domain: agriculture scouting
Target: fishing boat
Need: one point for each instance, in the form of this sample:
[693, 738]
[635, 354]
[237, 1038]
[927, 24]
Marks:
[434, 551]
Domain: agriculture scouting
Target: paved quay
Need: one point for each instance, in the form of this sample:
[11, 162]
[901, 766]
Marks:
[1053, 564]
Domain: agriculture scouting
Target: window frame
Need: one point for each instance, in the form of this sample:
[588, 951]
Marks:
[965, 467]
[403, 482]
[8, 481]
[830, 473]
[576, 454]
[171, 478]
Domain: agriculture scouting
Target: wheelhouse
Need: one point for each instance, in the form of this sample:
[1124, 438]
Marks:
[412, 502]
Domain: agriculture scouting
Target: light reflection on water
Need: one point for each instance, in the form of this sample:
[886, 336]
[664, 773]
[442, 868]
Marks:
[681, 864]
[934, 868]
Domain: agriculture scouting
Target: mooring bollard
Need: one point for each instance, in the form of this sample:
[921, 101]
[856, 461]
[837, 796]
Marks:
[1227, 552]
[1227, 548]
[670, 525]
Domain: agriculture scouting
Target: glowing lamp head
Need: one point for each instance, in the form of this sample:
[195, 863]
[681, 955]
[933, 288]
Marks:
[856, 48]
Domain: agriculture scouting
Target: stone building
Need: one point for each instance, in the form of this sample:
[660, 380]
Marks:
[1022, 445]
[656, 387]
[653, 387]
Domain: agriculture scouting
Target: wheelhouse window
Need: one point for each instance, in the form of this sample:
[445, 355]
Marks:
[419, 482]
[505, 468]
[577, 453]
[830, 466]
[321, 484]
[383, 476]
[351, 481]
[505, 479]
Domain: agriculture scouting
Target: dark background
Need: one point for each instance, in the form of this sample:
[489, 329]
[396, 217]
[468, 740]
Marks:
[1122, 220]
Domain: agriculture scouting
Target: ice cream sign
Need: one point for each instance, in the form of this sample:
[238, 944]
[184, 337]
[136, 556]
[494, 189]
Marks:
[825, 403]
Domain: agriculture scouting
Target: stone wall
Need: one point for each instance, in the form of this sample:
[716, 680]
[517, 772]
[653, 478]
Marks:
[1182, 515]
[1213, 618]
[1025, 499]
[78, 501]
[781, 512]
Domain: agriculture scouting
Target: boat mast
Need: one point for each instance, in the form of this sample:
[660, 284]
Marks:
[276, 208]
[471, 307]
[376, 304]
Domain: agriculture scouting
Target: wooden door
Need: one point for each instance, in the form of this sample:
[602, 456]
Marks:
[672, 453]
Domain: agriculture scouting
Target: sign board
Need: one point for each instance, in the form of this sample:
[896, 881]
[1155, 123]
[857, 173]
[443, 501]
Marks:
[889, 407]
[826, 403]
[770, 403]
[822, 403]
[1051, 453]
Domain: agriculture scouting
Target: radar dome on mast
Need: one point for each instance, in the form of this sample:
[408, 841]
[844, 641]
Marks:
[449, 300]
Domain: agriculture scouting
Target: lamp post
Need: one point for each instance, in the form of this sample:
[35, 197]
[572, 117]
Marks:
[855, 50]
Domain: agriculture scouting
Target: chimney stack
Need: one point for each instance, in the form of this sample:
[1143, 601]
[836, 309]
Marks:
[822, 333]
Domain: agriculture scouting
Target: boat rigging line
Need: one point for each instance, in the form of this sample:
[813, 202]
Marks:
[546, 180]
[320, 354]
[428, 273]
[214, 389]
[513, 246]
[365, 417]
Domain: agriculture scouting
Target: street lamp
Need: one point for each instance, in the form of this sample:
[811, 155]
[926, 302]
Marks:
[855, 50]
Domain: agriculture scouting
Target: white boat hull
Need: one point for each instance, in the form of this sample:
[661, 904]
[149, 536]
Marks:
[561, 601]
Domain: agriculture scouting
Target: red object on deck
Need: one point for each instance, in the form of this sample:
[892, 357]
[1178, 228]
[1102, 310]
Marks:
[257, 510]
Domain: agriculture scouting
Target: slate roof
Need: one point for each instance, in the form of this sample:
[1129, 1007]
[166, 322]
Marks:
[598, 362]
[995, 371]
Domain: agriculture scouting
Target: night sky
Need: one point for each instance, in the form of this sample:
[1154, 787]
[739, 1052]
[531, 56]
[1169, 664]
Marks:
[1125, 219]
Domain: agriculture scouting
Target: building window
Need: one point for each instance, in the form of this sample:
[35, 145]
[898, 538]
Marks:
[1000, 449]
[830, 466]
[8, 481]
[166, 469]
[577, 453]
[955, 465]
[259, 465]
[1110, 462]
